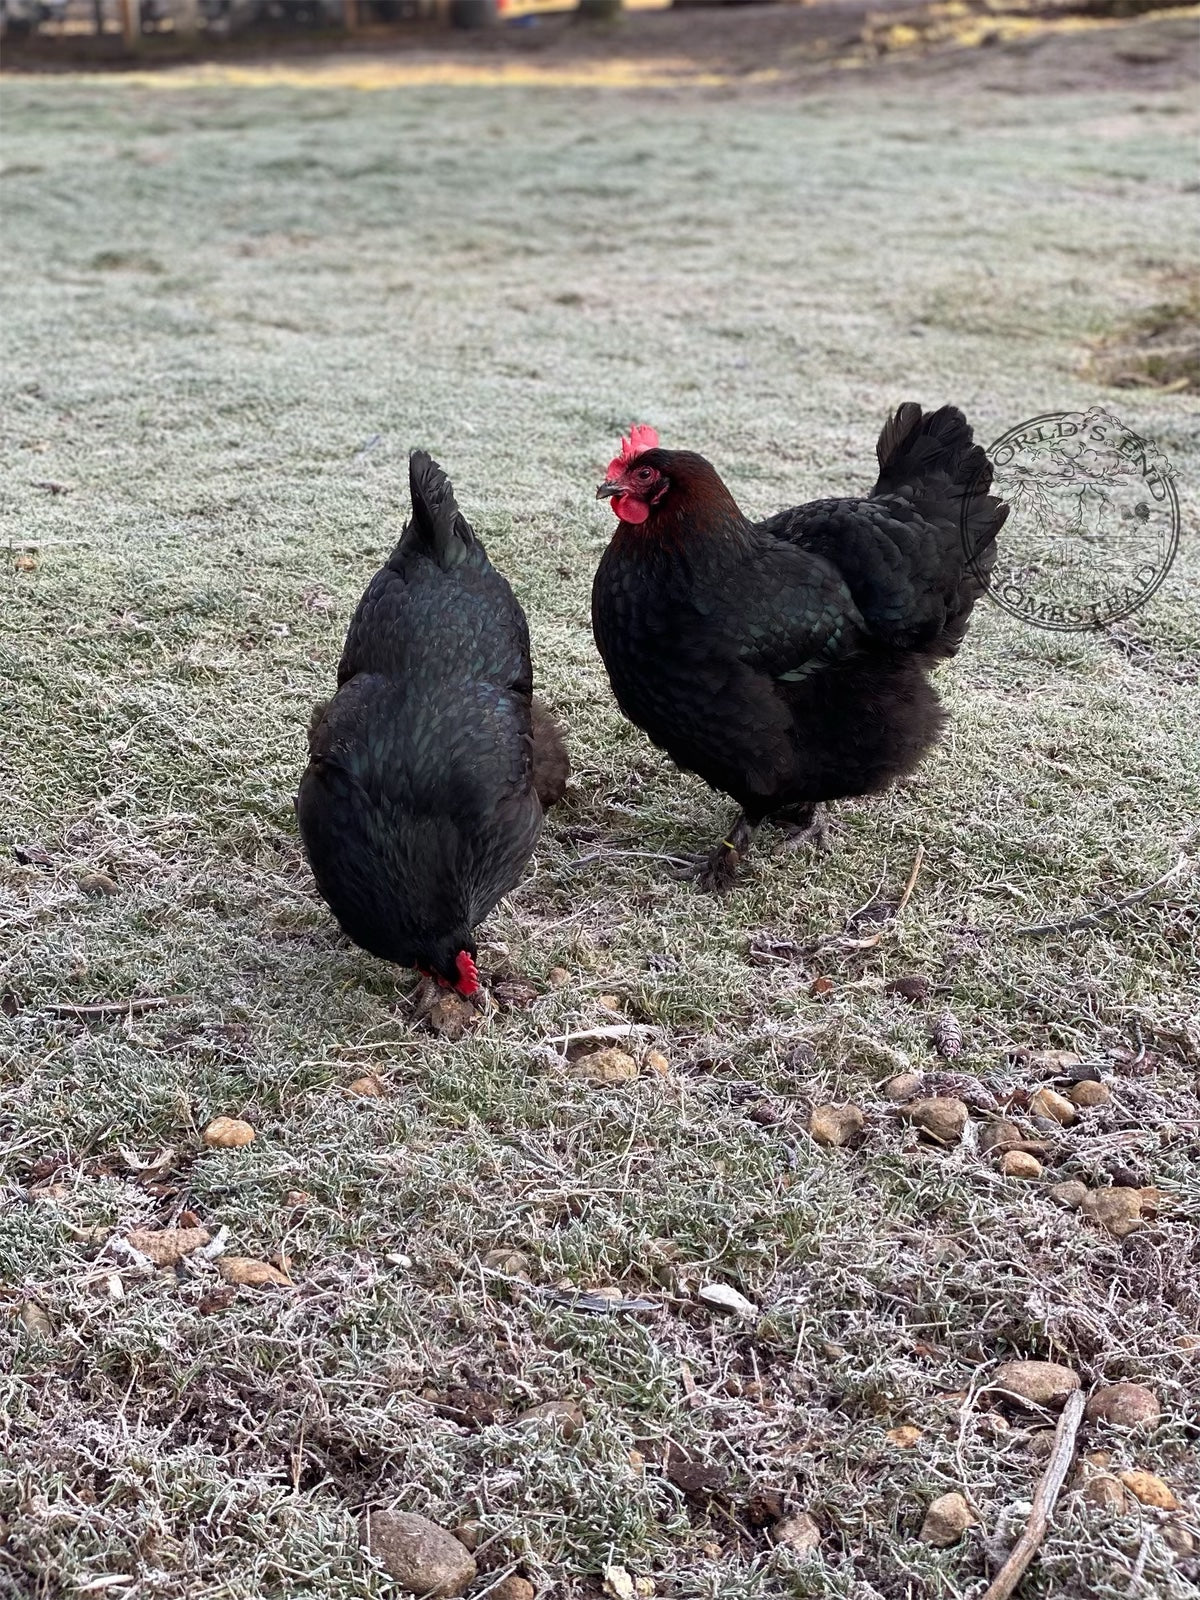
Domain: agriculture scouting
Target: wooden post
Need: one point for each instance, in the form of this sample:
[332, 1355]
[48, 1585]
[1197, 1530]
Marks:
[187, 20]
[131, 23]
[350, 15]
[98, 14]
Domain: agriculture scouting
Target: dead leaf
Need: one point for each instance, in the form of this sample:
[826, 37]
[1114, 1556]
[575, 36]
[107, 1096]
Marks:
[32, 855]
[905, 1437]
[166, 1246]
[697, 1479]
[217, 1300]
[604, 1302]
[369, 1088]
[725, 1298]
[515, 993]
[451, 1016]
[563, 1415]
[246, 1270]
[153, 1167]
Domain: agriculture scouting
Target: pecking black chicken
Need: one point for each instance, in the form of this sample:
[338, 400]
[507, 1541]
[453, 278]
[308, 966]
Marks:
[431, 765]
[787, 661]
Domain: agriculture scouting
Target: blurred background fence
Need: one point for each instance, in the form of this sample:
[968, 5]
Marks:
[135, 20]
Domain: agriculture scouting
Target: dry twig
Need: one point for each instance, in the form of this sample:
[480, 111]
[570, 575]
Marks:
[893, 921]
[618, 1030]
[1026, 1547]
[1094, 918]
[116, 1008]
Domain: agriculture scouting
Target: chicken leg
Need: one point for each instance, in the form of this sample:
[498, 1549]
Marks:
[717, 871]
[806, 827]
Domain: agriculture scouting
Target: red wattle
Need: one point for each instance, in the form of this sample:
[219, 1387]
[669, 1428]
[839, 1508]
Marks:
[629, 508]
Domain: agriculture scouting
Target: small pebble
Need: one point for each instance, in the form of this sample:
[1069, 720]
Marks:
[511, 1588]
[946, 1520]
[1053, 1106]
[605, 1067]
[98, 883]
[1017, 1164]
[904, 1085]
[1102, 1490]
[942, 1118]
[228, 1133]
[1037, 1383]
[1150, 1489]
[423, 1558]
[1178, 1539]
[1000, 1135]
[798, 1533]
[1089, 1093]
[1128, 1405]
[833, 1125]
[1117, 1211]
[512, 1263]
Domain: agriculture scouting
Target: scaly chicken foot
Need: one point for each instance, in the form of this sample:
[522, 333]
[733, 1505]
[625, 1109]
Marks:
[807, 828]
[717, 871]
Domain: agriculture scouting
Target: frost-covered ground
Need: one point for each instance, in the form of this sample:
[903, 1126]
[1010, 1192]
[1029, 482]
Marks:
[230, 310]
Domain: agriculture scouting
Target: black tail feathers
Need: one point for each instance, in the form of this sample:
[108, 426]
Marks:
[436, 520]
[915, 442]
[933, 455]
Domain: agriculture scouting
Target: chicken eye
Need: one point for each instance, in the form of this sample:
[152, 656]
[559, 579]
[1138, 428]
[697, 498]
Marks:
[645, 473]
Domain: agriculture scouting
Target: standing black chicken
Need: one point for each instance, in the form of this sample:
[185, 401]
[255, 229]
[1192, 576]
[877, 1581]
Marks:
[423, 796]
[787, 661]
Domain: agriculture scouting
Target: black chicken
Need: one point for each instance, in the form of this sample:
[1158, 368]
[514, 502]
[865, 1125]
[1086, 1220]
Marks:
[786, 662]
[424, 793]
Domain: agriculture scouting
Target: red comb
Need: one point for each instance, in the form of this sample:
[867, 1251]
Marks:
[642, 437]
[468, 974]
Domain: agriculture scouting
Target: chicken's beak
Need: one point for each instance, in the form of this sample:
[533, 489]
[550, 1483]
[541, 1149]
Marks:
[606, 490]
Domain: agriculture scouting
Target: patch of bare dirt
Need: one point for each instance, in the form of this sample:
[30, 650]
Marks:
[1160, 349]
